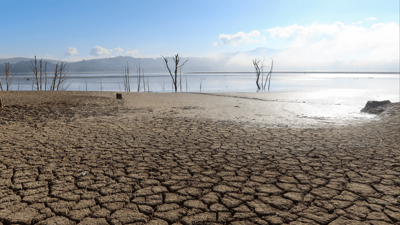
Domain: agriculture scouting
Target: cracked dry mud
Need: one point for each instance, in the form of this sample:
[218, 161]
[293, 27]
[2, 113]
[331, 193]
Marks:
[78, 163]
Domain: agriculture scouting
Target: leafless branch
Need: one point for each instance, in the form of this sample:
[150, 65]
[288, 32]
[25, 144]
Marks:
[174, 76]
[259, 70]
[34, 68]
[127, 84]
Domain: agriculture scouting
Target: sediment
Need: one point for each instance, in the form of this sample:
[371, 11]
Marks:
[71, 158]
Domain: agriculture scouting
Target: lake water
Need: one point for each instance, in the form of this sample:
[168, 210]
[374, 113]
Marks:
[225, 82]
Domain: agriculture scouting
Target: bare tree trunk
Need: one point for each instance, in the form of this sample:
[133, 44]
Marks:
[126, 76]
[8, 76]
[270, 74]
[268, 77]
[34, 68]
[143, 82]
[138, 71]
[41, 74]
[60, 72]
[60, 76]
[7, 70]
[257, 68]
[127, 70]
[45, 76]
[174, 76]
[53, 83]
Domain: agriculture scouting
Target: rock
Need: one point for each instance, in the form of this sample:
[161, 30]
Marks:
[119, 96]
[372, 106]
[1, 104]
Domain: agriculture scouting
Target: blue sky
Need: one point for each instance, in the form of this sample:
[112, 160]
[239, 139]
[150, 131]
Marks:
[76, 30]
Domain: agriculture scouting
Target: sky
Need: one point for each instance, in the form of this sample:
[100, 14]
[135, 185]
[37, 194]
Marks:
[344, 34]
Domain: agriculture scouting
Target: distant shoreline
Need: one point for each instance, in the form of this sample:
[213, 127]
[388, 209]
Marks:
[357, 72]
[216, 72]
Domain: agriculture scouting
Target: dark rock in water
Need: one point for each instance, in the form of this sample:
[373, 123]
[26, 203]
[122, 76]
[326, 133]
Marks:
[119, 96]
[373, 107]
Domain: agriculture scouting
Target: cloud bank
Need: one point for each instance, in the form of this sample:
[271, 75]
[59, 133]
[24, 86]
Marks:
[240, 38]
[335, 47]
[71, 51]
[132, 52]
[118, 49]
[100, 51]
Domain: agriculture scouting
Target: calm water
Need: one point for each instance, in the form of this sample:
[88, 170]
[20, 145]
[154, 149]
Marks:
[225, 82]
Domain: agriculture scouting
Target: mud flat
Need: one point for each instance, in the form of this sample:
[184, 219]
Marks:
[88, 158]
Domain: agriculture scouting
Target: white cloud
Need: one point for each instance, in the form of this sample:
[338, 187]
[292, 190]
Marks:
[240, 38]
[371, 18]
[97, 51]
[118, 49]
[71, 51]
[312, 30]
[340, 42]
[132, 52]
[335, 47]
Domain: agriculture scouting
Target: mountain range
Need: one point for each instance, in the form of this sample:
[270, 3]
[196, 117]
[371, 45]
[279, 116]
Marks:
[217, 63]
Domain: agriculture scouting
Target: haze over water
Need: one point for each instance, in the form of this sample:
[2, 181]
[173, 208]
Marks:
[227, 82]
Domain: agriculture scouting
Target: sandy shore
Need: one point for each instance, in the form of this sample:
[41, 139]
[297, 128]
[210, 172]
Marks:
[88, 158]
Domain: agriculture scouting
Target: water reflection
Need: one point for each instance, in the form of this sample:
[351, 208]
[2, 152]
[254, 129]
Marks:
[230, 82]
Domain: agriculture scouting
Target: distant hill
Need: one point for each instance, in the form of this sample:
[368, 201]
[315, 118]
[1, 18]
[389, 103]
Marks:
[21, 59]
[114, 64]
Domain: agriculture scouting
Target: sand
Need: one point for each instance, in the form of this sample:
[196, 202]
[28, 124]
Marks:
[88, 158]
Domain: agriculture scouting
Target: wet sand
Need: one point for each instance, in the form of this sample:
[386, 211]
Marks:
[88, 158]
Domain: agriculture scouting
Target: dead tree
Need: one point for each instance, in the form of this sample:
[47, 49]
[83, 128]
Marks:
[268, 77]
[60, 77]
[34, 68]
[259, 70]
[53, 83]
[45, 76]
[125, 73]
[7, 71]
[38, 79]
[174, 76]
[41, 78]
[9, 74]
[139, 71]
[41, 74]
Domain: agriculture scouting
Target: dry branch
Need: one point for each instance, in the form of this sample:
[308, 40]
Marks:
[174, 76]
